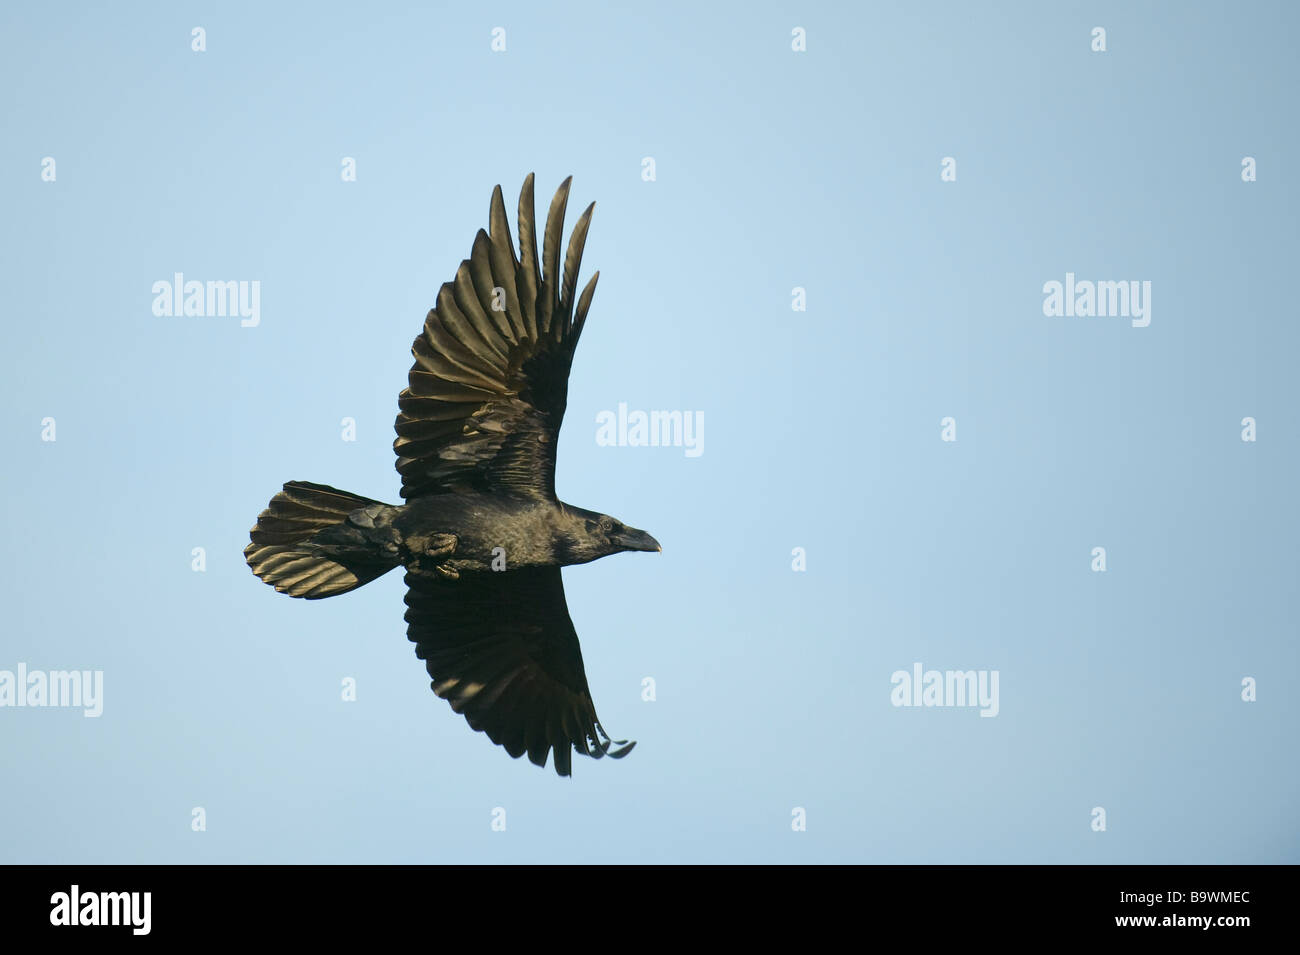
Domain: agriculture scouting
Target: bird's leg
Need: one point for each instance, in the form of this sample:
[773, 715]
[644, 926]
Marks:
[427, 563]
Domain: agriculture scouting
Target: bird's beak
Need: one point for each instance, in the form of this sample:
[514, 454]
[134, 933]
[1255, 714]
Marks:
[637, 540]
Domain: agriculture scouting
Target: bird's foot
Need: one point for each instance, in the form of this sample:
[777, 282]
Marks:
[423, 567]
[427, 563]
[440, 545]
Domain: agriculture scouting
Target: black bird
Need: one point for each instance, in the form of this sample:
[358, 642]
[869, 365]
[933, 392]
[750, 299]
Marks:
[481, 534]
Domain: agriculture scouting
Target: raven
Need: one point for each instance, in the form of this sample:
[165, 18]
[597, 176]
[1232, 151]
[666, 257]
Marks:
[481, 534]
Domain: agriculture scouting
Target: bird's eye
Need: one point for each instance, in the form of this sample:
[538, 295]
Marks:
[606, 525]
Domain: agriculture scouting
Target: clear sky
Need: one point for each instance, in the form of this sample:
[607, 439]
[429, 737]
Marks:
[774, 169]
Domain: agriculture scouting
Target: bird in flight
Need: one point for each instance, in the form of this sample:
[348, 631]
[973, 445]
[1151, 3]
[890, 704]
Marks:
[480, 532]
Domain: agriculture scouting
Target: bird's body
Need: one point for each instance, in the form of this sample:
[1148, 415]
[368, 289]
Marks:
[481, 533]
[515, 532]
[454, 533]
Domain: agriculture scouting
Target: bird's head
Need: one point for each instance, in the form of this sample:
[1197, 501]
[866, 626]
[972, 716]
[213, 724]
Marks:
[591, 535]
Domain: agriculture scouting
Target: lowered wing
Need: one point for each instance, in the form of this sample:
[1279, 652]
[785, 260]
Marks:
[501, 649]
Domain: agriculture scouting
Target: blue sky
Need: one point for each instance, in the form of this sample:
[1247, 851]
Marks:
[774, 169]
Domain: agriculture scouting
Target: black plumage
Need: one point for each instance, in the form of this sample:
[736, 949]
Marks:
[481, 534]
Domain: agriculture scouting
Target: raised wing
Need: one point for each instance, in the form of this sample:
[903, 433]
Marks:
[487, 392]
[501, 649]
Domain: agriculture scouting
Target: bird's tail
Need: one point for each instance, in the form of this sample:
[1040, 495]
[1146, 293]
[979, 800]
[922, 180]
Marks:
[316, 541]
